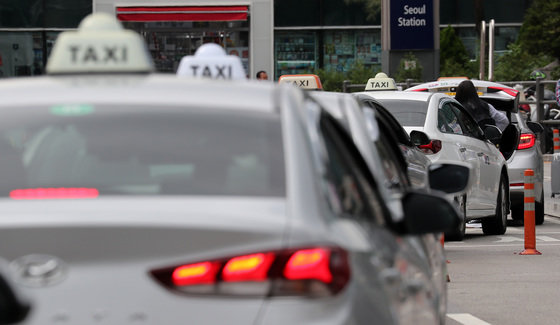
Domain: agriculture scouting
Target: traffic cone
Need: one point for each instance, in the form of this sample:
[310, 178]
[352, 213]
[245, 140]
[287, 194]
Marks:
[529, 214]
[556, 140]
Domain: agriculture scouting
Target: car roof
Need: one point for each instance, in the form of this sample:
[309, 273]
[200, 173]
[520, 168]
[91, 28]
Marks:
[400, 95]
[150, 89]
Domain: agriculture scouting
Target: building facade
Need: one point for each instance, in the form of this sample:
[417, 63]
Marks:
[278, 36]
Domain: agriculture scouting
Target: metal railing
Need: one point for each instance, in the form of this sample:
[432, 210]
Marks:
[539, 101]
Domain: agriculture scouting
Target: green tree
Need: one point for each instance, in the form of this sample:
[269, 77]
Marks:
[454, 59]
[517, 64]
[409, 68]
[540, 32]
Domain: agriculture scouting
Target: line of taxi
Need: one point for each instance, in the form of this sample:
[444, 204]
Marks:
[134, 197]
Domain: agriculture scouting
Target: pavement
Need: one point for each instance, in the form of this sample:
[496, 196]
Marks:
[551, 204]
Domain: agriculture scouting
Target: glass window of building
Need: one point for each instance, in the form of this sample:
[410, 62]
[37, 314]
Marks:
[169, 41]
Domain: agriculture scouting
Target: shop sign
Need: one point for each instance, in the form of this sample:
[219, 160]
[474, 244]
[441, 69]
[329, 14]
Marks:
[412, 24]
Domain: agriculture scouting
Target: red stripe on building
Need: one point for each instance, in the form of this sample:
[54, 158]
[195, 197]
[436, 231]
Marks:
[206, 13]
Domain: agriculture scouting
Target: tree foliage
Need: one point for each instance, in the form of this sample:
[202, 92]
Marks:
[517, 64]
[454, 59]
[540, 32]
[358, 74]
[406, 71]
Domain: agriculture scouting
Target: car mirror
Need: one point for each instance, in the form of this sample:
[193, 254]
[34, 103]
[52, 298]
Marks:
[13, 308]
[449, 178]
[419, 138]
[492, 133]
[426, 213]
[510, 141]
[537, 128]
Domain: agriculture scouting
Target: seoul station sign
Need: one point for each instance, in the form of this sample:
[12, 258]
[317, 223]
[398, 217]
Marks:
[412, 24]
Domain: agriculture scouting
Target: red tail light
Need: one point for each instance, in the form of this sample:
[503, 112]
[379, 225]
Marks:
[248, 268]
[433, 147]
[308, 272]
[54, 193]
[309, 264]
[510, 91]
[526, 141]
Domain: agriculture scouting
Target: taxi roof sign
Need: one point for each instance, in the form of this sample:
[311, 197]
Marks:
[100, 45]
[304, 81]
[211, 61]
[381, 82]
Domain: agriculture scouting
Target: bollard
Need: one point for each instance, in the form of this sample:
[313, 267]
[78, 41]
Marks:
[556, 140]
[529, 215]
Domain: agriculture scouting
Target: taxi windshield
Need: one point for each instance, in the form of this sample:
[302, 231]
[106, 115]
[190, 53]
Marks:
[407, 112]
[120, 150]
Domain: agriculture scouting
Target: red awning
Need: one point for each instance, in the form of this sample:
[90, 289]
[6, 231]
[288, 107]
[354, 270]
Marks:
[206, 13]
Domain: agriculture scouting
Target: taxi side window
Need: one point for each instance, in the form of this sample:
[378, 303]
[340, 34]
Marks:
[470, 127]
[350, 185]
[448, 122]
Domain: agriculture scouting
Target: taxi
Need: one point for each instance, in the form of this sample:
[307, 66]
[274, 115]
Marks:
[454, 136]
[527, 154]
[134, 197]
[384, 157]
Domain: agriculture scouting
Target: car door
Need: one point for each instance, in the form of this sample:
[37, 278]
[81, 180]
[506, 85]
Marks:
[354, 194]
[487, 154]
[456, 145]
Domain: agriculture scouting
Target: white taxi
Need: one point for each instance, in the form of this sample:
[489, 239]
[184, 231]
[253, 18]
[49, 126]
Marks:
[454, 136]
[133, 197]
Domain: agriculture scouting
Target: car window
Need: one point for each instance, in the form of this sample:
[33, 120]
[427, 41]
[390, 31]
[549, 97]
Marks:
[407, 112]
[389, 120]
[351, 189]
[125, 150]
[448, 122]
[468, 124]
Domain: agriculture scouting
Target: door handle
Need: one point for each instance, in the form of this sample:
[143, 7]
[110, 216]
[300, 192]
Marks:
[462, 149]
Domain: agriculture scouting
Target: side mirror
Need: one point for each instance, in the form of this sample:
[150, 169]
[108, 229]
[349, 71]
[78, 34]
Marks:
[419, 138]
[510, 141]
[428, 213]
[492, 133]
[449, 177]
[537, 128]
[13, 308]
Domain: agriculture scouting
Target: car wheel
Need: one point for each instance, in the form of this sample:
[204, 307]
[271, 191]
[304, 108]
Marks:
[497, 225]
[539, 210]
[459, 233]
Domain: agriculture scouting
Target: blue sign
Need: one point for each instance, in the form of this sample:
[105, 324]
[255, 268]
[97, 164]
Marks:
[412, 24]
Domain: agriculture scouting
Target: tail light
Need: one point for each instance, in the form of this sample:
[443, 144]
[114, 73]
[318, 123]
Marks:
[433, 147]
[526, 141]
[510, 91]
[314, 272]
[54, 193]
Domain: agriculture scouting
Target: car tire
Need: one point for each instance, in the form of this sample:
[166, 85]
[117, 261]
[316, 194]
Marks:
[539, 210]
[459, 233]
[497, 225]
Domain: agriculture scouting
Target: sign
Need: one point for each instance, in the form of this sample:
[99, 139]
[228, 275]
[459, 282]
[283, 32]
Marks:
[211, 61]
[100, 45]
[412, 24]
[304, 81]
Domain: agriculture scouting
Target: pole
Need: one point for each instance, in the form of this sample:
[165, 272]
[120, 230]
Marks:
[491, 50]
[482, 50]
